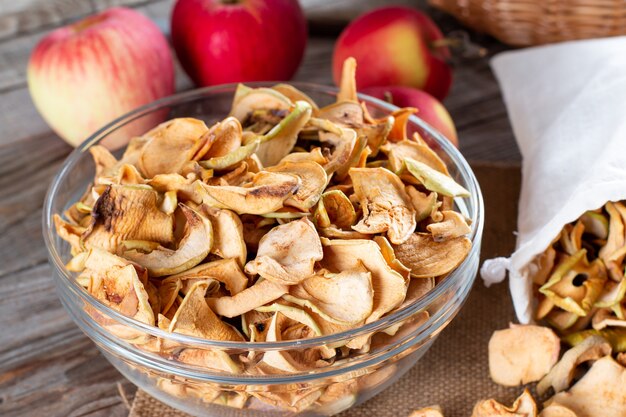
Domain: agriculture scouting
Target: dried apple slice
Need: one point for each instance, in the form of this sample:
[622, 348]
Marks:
[397, 151]
[565, 291]
[70, 233]
[280, 140]
[170, 146]
[425, 205]
[102, 159]
[557, 410]
[347, 84]
[401, 120]
[344, 146]
[185, 188]
[195, 318]
[434, 180]
[266, 193]
[600, 392]
[385, 204]
[346, 297]
[427, 258]
[524, 406]
[434, 411]
[227, 234]
[512, 363]
[453, 225]
[292, 313]
[227, 138]
[247, 100]
[334, 208]
[226, 271]
[389, 286]
[561, 375]
[313, 180]
[115, 282]
[596, 224]
[128, 213]
[314, 155]
[293, 94]
[343, 113]
[261, 293]
[377, 133]
[287, 253]
[192, 248]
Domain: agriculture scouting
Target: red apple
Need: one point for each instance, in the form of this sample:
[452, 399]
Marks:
[429, 108]
[395, 46]
[84, 75]
[224, 41]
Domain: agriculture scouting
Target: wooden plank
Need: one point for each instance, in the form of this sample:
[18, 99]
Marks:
[26, 16]
[47, 365]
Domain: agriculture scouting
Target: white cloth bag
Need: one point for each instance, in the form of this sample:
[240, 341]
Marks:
[567, 106]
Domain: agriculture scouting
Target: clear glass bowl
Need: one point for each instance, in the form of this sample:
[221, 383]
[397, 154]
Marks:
[136, 349]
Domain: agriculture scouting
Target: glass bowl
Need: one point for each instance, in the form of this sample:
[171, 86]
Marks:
[398, 340]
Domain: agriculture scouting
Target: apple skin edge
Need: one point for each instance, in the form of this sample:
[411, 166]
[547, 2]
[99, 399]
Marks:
[428, 108]
[84, 75]
[237, 41]
[394, 46]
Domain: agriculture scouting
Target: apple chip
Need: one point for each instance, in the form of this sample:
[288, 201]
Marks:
[235, 157]
[425, 205]
[192, 248]
[563, 287]
[266, 193]
[313, 180]
[344, 148]
[280, 140]
[195, 318]
[427, 258]
[247, 100]
[522, 354]
[287, 253]
[557, 410]
[524, 406]
[388, 285]
[346, 296]
[170, 146]
[334, 208]
[293, 94]
[127, 213]
[385, 204]
[452, 225]
[561, 375]
[401, 119]
[70, 233]
[226, 271]
[600, 392]
[434, 411]
[434, 180]
[227, 234]
[397, 151]
[115, 282]
[261, 293]
[226, 138]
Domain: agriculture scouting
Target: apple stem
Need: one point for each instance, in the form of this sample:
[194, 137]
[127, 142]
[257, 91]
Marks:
[459, 40]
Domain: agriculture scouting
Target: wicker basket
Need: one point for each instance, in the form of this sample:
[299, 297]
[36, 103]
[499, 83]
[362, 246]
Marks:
[534, 22]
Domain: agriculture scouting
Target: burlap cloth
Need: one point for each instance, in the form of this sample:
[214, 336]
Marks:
[454, 373]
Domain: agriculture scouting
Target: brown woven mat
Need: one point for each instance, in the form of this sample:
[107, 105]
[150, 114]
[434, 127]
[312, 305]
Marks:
[454, 372]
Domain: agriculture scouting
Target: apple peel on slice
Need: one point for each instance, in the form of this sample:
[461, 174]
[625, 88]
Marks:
[434, 180]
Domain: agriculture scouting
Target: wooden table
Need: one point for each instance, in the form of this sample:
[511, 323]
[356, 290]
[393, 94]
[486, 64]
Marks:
[47, 366]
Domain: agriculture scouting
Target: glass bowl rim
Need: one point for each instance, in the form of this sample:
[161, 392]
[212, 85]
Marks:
[188, 96]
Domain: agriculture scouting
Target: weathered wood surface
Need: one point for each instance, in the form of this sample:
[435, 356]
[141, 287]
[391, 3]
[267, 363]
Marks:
[47, 366]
